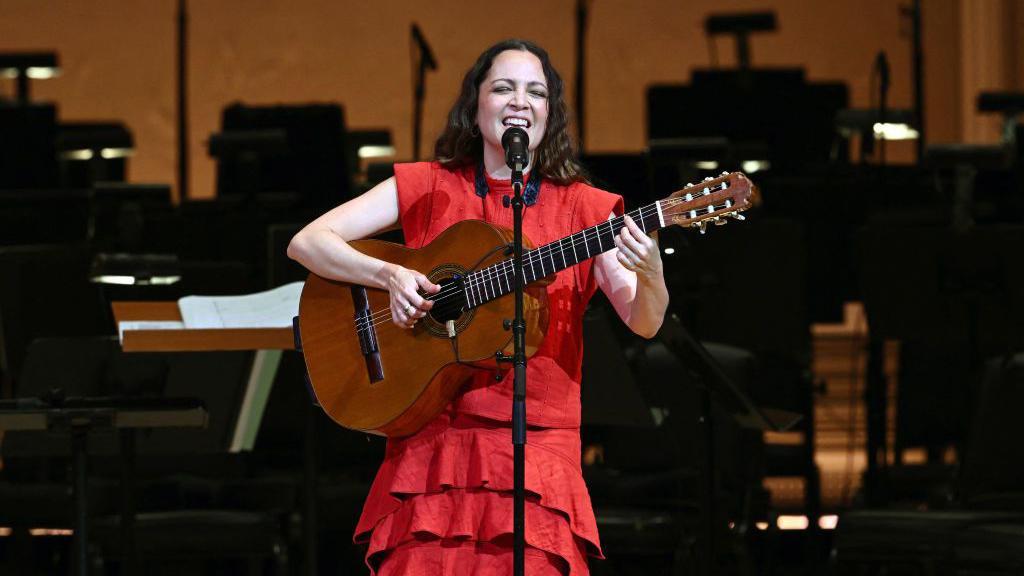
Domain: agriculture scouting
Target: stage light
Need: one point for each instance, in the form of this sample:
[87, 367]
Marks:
[894, 131]
[51, 532]
[670, 250]
[135, 269]
[898, 123]
[42, 72]
[792, 523]
[375, 151]
[84, 154]
[828, 522]
[706, 164]
[761, 525]
[751, 166]
[5, 532]
[111, 153]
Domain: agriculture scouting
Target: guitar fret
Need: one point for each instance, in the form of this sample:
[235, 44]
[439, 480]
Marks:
[532, 269]
[572, 242]
[505, 274]
[551, 255]
[599, 246]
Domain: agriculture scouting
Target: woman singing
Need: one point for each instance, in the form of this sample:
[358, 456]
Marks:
[441, 503]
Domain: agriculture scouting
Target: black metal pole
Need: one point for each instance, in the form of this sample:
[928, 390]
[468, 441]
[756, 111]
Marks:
[426, 62]
[582, 10]
[419, 95]
[918, 60]
[22, 87]
[81, 536]
[183, 184]
[519, 382]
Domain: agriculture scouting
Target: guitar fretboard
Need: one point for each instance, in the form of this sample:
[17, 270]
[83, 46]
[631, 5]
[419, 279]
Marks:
[497, 280]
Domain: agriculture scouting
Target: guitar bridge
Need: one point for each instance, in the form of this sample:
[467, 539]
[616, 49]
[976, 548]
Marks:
[367, 333]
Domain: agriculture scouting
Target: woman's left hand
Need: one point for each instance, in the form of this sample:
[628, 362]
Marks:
[638, 252]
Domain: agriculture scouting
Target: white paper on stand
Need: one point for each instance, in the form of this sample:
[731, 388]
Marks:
[271, 309]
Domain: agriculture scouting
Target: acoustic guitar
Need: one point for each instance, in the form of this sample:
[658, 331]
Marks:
[370, 375]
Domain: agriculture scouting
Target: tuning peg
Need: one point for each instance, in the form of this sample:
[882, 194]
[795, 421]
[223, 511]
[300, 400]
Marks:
[720, 221]
[724, 174]
[737, 216]
[689, 184]
[703, 225]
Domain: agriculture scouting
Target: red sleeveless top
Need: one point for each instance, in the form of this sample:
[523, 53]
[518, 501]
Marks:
[450, 483]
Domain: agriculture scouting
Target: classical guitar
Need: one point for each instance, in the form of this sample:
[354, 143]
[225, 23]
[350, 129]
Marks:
[370, 375]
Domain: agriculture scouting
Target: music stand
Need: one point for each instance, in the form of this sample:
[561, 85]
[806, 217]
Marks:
[81, 415]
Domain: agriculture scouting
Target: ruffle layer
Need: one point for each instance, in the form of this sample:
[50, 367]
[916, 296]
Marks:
[465, 558]
[479, 515]
[455, 482]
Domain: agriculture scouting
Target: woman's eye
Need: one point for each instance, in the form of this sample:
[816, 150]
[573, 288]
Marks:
[501, 89]
[539, 94]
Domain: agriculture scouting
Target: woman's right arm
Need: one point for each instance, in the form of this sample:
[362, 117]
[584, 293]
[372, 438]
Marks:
[322, 247]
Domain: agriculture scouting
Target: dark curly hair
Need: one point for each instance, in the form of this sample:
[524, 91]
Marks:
[460, 145]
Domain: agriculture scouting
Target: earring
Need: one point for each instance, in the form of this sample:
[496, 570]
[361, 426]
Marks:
[474, 131]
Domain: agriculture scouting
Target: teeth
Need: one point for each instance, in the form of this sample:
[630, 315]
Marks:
[516, 122]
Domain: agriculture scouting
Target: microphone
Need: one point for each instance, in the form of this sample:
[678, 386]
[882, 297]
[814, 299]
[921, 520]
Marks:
[516, 144]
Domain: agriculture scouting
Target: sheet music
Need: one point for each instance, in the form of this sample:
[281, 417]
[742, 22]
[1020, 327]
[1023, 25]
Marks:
[271, 309]
[147, 325]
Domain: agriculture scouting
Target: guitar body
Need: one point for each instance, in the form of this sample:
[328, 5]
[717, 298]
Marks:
[369, 374]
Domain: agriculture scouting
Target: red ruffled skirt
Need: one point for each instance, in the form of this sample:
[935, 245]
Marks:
[441, 503]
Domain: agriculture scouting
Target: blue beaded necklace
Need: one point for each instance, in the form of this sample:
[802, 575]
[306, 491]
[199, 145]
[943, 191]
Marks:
[530, 192]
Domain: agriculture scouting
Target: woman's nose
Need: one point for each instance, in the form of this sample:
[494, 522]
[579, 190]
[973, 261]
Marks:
[519, 99]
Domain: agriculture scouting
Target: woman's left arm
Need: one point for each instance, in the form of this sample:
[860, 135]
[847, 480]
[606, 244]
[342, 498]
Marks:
[632, 278]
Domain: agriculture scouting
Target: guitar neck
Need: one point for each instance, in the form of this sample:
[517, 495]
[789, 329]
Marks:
[486, 284]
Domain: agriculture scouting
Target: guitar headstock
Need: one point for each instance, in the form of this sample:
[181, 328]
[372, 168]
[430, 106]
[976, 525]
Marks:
[713, 200]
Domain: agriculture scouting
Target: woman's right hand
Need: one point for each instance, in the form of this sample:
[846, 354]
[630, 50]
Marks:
[407, 306]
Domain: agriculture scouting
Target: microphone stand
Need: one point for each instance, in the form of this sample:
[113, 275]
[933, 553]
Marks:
[426, 62]
[519, 380]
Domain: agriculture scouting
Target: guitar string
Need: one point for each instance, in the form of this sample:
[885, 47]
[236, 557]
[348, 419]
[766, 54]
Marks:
[495, 271]
[499, 270]
[383, 315]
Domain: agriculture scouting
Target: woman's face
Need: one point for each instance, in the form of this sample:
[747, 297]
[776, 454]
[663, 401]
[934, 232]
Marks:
[514, 93]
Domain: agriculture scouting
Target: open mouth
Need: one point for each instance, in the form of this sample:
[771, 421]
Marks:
[512, 121]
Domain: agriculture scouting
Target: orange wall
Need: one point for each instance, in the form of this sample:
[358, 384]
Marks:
[118, 59]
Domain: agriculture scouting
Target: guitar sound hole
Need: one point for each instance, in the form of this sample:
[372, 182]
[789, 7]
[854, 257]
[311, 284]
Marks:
[450, 301]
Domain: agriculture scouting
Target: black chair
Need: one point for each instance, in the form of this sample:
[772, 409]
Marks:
[983, 533]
